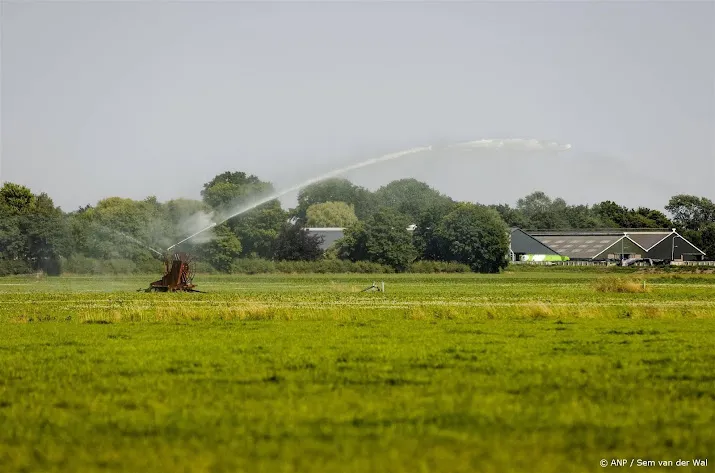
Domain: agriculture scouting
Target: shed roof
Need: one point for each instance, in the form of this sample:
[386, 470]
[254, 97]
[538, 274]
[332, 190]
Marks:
[589, 244]
[522, 242]
[579, 246]
[330, 235]
[648, 239]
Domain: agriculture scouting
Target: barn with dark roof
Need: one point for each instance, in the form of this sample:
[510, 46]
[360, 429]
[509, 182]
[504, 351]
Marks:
[330, 235]
[620, 244]
[521, 243]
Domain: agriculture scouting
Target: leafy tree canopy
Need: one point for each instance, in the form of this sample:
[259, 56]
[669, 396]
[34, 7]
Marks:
[708, 240]
[294, 243]
[474, 235]
[383, 238]
[541, 212]
[335, 190]
[410, 197]
[17, 199]
[331, 214]
[258, 228]
[221, 251]
[233, 189]
[690, 212]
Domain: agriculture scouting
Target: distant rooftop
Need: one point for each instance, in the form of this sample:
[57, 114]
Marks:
[599, 231]
[590, 243]
[580, 246]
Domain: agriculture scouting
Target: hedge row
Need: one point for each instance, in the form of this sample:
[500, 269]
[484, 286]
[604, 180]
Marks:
[82, 265]
[262, 266]
[9, 267]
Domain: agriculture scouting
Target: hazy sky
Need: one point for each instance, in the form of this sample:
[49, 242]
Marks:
[148, 98]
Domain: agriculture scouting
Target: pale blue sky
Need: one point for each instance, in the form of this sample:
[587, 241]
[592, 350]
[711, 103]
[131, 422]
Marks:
[142, 98]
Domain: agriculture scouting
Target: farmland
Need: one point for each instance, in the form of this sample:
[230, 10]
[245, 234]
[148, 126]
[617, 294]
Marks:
[526, 371]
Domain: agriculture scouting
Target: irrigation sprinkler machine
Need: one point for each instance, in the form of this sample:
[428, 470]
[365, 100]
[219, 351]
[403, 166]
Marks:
[178, 274]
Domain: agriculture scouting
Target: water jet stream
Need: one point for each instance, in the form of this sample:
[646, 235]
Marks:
[197, 233]
[138, 242]
[515, 144]
[296, 187]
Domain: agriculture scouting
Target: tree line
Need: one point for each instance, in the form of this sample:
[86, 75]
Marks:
[122, 235]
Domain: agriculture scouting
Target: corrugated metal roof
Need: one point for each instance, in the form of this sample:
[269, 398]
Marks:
[648, 240]
[579, 246]
[583, 244]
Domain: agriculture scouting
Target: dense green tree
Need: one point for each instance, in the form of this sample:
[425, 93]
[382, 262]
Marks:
[122, 228]
[541, 212]
[17, 199]
[31, 229]
[690, 212]
[423, 236]
[45, 231]
[353, 245]
[636, 220]
[331, 214]
[118, 228]
[581, 216]
[613, 215]
[258, 228]
[410, 197]
[12, 240]
[222, 250]
[335, 190]
[295, 243]
[655, 218]
[382, 238]
[474, 235]
[233, 189]
[513, 217]
[708, 240]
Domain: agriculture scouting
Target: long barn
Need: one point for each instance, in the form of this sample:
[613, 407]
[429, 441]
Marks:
[608, 244]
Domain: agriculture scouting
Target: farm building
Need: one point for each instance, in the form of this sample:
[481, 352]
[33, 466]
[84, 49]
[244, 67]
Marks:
[668, 246]
[618, 244]
[330, 235]
[523, 246]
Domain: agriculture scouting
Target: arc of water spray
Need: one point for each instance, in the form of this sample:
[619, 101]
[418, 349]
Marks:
[197, 233]
[515, 143]
[135, 240]
[296, 187]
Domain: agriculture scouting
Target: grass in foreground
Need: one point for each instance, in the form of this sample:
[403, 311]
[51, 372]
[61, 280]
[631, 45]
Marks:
[440, 373]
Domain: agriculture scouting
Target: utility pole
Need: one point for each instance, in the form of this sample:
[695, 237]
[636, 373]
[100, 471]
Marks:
[672, 247]
[623, 256]
[623, 240]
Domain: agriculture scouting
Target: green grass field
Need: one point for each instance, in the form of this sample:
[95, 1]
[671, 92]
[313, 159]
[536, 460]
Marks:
[532, 371]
